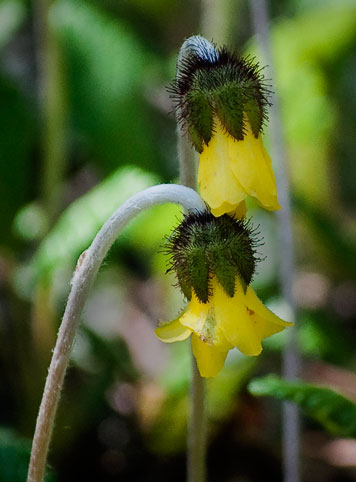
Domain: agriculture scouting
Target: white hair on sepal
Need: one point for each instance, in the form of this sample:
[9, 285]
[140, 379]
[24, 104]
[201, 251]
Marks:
[197, 45]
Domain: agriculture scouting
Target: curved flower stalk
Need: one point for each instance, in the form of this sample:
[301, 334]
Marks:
[86, 270]
[221, 102]
[215, 259]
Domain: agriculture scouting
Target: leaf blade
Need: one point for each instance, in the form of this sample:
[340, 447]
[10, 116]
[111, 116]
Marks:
[332, 410]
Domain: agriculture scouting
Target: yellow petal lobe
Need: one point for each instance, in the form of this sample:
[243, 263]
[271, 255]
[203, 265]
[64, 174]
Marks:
[209, 360]
[194, 316]
[252, 167]
[217, 184]
[239, 212]
[233, 318]
[255, 304]
[200, 318]
[263, 327]
[224, 208]
[172, 331]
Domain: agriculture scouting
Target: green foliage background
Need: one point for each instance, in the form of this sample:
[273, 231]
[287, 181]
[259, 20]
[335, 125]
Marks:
[86, 123]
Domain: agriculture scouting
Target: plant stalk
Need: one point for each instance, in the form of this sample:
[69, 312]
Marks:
[291, 355]
[52, 99]
[87, 267]
[53, 102]
[197, 428]
[196, 457]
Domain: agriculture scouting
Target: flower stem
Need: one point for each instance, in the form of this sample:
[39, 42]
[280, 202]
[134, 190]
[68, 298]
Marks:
[216, 20]
[291, 355]
[53, 110]
[197, 428]
[53, 102]
[196, 471]
[187, 164]
[196, 458]
[87, 267]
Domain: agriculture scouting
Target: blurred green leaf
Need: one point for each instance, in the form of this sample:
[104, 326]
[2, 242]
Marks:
[16, 142]
[31, 222]
[222, 389]
[14, 457]
[307, 48]
[111, 357]
[80, 222]
[332, 410]
[173, 414]
[106, 73]
[109, 362]
[310, 31]
[12, 13]
[148, 232]
[321, 336]
[222, 396]
[337, 246]
[78, 225]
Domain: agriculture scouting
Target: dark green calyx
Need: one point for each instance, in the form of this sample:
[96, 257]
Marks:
[218, 86]
[203, 246]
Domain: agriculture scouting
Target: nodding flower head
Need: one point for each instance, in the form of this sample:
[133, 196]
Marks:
[214, 259]
[221, 100]
[203, 247]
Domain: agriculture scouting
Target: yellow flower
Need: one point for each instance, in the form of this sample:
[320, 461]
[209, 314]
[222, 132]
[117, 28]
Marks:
[230, 170]
[221, 102]
[224, 322]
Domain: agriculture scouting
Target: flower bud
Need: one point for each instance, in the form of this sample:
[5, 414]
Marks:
[216, 85]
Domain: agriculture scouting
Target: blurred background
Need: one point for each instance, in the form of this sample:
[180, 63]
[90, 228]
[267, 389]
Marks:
[86, 122]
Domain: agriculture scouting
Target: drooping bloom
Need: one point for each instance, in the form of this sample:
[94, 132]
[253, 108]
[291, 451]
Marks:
[214, 259]
[221, 102]
[230, 170]
[221, 324]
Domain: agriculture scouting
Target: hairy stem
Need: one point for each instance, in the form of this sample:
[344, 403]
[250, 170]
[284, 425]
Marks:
[86, 270]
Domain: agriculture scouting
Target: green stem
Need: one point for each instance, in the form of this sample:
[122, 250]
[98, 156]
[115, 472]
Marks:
[216, 20]
[53, 122]
[187, 164]
[54, 111]
[197, 428]
[197, 424]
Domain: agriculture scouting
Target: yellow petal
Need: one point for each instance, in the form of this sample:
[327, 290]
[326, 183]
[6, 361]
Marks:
[209, 360]
[219, 339]
[263, 327]
[240, 211]
[212, 333]
[235, 323]
[172, 331]
[224, 208]
[195, 315]
[217, 184]
[200, 318]
[255, 304]
[252, 167]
